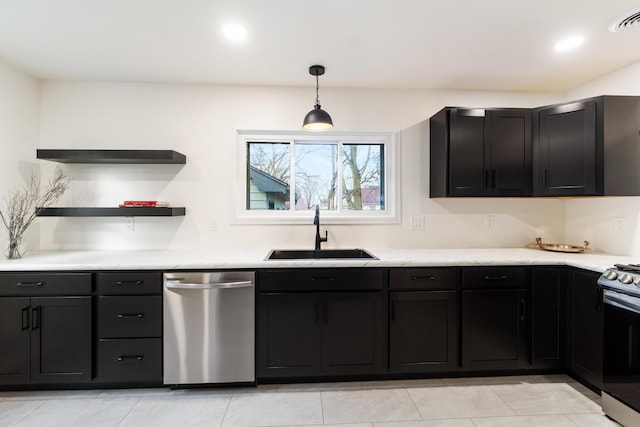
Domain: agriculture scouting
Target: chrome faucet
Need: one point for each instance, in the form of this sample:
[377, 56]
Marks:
[316, 222]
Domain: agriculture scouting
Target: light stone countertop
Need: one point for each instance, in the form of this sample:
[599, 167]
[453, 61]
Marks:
[255, 258]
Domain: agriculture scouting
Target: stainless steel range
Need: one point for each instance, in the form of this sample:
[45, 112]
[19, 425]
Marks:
[621, 355]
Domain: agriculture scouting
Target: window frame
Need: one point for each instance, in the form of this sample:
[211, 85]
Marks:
[391, 213]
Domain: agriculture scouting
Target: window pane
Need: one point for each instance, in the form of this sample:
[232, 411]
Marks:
[316, 175]
[363, 177]
[268, 176]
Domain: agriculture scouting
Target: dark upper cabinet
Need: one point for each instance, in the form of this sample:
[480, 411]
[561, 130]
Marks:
[567, 151]
[494, 318]
[548, 300]
[584, 326]
[588, 148]
[480, 152]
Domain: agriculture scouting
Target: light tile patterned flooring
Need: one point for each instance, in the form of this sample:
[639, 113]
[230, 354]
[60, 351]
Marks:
[521, 401]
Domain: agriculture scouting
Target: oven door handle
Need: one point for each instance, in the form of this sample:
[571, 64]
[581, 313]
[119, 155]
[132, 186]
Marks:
[626, 302]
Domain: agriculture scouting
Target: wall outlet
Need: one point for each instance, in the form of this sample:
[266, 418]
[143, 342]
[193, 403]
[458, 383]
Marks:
[130, 223]
[213, 225]
[619, 224]
[416, 222]
[489, 221]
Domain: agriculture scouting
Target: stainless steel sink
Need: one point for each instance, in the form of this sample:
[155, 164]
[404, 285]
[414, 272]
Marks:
[321, 254]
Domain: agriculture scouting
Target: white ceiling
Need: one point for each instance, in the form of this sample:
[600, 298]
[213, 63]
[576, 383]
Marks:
[441, 44]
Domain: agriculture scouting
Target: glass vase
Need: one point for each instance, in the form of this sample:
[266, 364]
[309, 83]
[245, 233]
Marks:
[14, 249]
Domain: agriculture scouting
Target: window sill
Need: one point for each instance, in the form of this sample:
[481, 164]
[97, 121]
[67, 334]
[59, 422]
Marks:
[277, 218]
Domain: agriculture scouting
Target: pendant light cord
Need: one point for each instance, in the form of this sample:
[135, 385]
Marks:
[317, 87]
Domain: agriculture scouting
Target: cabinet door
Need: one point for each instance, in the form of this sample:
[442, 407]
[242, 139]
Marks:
[289, 334]
[423, 331]
[547, 317]
[567, 150]
[585, 320]
[494, 329]
[510, 142]
[15, 329]
[60, 339]
[467, 172]
[354, 333]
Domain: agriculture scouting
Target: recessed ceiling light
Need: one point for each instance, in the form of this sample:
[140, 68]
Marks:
[234, 32]
[569, 43]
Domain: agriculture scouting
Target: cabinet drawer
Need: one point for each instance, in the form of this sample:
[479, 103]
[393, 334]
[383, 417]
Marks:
[424, 278]
[494, 277]
[321, 279]
[129, 316]
[128, 283]
[45, 284]
[130, 360]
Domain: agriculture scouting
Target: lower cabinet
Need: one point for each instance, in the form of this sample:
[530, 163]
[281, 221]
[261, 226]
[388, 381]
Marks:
[328, 331]
[125, 361]
[313, 323]
[494, 318]
[548, 323]
[423, 327]
[584, 326]
[290, 335]
[46, 335]
[354, 333]
[129, 327]
[311, 334]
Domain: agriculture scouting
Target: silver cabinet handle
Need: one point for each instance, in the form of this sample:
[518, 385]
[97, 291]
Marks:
[218, 285]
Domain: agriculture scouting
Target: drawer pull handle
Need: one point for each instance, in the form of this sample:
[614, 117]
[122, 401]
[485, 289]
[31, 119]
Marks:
[322, 279]
[496, 277]
[125, 358]
[30, 284]
[25, 318]
[130, 282]
[130, 315]
[423, 277]
[35, 317]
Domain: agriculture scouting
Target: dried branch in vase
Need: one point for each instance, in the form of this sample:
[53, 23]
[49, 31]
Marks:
[23, 207]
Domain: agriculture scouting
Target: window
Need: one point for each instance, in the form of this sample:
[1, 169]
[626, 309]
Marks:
[285, 176]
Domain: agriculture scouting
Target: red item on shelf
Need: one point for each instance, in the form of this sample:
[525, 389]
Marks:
[140, 203]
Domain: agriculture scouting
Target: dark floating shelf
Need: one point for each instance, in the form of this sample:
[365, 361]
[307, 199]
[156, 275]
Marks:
[113, 156]
[112, 212]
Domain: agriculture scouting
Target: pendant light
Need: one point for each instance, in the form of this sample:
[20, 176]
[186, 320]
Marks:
[317, 119]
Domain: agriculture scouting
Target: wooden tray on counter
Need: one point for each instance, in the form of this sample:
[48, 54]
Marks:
[561, 247]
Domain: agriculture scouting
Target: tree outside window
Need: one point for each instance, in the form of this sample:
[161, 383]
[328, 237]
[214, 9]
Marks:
[334, 175]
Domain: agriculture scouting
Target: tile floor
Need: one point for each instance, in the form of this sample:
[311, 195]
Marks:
[520, 401]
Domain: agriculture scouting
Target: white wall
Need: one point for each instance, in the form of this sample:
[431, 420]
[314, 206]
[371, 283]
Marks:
[19, 135]
[200, 121]
[612, 223]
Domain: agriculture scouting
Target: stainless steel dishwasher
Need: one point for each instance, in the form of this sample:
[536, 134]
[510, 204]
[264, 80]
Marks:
[209, 327]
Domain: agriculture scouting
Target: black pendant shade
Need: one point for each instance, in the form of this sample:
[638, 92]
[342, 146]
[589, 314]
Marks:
[317, 119]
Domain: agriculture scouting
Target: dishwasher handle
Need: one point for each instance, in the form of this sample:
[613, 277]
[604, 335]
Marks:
[177, 284]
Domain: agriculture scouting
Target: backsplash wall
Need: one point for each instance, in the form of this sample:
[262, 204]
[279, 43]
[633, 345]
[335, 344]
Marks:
[201, 120]
[611, 224]
[19, 137]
